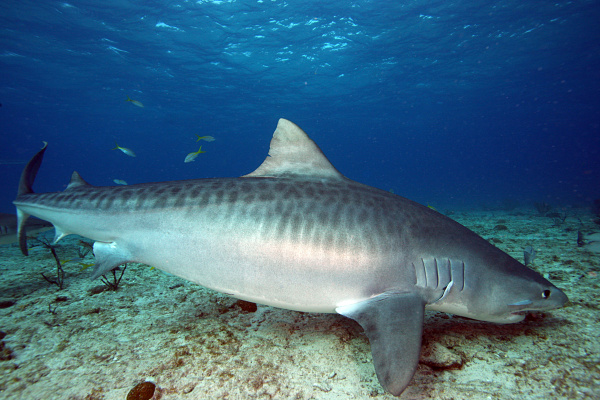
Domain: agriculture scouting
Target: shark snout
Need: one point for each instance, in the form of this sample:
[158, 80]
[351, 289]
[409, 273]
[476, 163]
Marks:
[549, 299]
[556, 298]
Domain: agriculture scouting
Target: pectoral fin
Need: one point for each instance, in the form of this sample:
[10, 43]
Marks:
[108, 257]
[393, 322]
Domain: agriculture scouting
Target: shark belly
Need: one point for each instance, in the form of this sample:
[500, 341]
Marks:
[277, 273]
[260, 257]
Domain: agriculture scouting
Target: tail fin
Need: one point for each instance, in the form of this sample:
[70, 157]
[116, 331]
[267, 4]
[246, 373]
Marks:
[25, 187]
[30, 172]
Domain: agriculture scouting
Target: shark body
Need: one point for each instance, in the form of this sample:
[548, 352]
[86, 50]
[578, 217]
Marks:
[297, 234]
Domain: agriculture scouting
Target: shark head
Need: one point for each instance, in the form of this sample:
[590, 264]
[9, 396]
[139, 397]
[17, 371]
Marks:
[503, 290]
[510, 299]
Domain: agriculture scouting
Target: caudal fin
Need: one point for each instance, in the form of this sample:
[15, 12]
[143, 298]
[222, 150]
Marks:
[30, 172]
[25, 187]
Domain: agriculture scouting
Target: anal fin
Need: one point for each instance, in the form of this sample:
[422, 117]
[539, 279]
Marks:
[59, 233]
[393, 322]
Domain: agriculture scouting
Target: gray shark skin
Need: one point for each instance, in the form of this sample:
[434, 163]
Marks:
[297, 234]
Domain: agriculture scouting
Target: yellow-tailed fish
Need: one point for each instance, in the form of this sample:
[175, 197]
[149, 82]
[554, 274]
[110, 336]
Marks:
[125, 150]
[192, 156]
[119, 182]
[76, 259]
[135, 102]
[207, 138]
[85, 266]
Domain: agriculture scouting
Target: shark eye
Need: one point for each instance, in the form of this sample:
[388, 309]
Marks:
[546, 294]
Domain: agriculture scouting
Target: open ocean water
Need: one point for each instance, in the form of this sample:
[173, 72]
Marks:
[456, 104]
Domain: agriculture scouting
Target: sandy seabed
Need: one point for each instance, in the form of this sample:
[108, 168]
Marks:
[83, 342]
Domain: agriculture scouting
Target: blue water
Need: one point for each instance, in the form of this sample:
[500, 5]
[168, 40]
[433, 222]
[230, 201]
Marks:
[449, 103]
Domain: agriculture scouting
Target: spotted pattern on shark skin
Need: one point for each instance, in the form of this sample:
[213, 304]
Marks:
[339, 215]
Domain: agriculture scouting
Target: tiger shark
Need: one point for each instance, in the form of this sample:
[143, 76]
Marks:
[299, 235]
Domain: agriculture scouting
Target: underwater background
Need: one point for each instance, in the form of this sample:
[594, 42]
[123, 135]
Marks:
[488, 111]
[461, 104]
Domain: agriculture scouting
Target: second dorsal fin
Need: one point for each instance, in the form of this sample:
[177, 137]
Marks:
[76, 181]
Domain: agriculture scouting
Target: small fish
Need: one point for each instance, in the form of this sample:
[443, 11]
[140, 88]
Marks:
[135, 102]
[85, 266]
[192, 156]
[76, 259]
[120, 182]
[432, 207]
[207, 138]
[125, 150]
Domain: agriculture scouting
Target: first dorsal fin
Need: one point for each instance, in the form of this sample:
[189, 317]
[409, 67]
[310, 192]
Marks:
[76, 181]
[293, 153]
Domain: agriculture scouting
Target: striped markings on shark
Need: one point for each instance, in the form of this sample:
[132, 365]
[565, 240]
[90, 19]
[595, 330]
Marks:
[297, 234]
